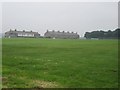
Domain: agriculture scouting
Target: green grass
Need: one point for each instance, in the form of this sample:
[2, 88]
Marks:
[0, 63]
[41, 63]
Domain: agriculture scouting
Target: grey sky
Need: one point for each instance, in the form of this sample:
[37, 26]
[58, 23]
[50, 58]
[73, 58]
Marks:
[0, 24]
[63, 16]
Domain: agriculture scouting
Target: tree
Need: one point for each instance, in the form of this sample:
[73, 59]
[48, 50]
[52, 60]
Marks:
[103, 34]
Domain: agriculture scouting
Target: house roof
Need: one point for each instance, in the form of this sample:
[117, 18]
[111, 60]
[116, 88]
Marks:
[22, 32]
[63, 32]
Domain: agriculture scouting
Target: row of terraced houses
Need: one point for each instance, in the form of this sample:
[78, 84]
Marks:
[49, 34]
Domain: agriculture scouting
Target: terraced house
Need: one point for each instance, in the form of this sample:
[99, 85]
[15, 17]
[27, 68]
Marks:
[62, 35]
[15, 33]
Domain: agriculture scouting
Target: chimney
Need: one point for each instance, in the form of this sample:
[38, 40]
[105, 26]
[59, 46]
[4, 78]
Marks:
[23, 30]
[15, 29]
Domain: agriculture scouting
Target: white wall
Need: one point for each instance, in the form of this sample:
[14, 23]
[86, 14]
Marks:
[26, 35]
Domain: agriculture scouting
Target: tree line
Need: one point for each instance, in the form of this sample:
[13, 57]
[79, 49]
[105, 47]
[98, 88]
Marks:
[103, 34]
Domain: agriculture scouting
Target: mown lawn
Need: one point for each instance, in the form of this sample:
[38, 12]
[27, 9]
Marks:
[45, 63]
[0, 63]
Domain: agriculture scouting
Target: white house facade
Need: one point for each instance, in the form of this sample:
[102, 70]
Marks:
[15, 33]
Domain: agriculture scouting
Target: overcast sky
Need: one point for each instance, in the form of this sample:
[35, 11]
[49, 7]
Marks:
[63, 16]
[0, 17]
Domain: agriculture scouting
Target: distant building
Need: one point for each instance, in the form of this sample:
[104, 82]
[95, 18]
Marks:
[15, 33]
[63, 35]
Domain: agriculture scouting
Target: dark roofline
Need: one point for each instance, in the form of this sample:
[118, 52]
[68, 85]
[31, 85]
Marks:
[15, 31]
[53, 31]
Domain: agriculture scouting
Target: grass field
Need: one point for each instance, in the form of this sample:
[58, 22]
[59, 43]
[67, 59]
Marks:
[41, 63]
[0, 63]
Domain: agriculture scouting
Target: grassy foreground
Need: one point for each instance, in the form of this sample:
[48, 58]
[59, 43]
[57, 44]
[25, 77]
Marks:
[45, 63]
[0, 63]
